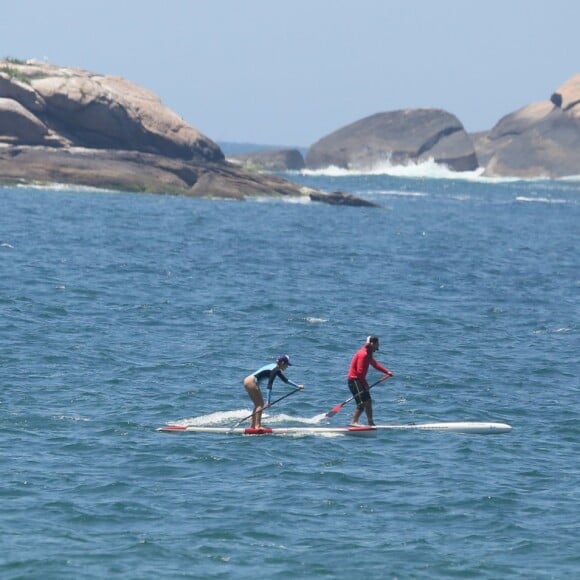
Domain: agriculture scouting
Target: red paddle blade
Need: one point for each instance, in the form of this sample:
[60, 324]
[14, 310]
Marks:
[334, 410]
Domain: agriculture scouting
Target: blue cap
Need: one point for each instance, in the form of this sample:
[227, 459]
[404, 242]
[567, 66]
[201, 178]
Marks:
[284, 358]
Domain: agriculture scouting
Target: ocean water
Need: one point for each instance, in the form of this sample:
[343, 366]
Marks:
[123, 312]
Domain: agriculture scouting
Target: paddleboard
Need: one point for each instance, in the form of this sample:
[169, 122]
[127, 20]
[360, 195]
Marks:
[454, 427]
[478, 427]
[349, 430]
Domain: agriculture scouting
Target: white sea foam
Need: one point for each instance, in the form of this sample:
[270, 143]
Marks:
[314, 320]
[72, 418]
[284, 418]
[65, 187]
[424, 170]
[217, 418]
[221, 418]
[395, 193]
[527, 199]
[296, 199]
[556, 330]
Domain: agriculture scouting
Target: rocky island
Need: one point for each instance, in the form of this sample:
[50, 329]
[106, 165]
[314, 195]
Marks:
[539, 140]
[399, 138]
[65, 125]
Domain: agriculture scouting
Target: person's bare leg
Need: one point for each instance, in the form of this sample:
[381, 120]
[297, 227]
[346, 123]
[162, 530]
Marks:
[369, 413]
[256, 397]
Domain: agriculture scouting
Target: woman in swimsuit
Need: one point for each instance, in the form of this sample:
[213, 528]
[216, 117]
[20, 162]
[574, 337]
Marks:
[266, 374]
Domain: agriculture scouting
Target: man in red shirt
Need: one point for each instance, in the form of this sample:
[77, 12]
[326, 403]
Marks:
[357, 378]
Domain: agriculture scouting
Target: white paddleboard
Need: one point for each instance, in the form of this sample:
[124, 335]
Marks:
[477, 427]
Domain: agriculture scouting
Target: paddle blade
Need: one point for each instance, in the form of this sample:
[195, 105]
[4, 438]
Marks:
[338, 407]
[334, 410]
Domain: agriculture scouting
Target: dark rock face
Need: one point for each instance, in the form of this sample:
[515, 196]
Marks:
[400, 137]
[71, 126]
[271, 160]
[539, 140]
[136, 171]
[340, 198]
[483, 148]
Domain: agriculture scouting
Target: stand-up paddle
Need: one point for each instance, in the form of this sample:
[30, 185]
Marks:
[338, 407]
[270, 405]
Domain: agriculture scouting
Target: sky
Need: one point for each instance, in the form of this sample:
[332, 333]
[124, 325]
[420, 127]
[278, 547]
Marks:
[288, 73]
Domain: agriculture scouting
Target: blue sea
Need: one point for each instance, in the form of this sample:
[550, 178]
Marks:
[120, 313]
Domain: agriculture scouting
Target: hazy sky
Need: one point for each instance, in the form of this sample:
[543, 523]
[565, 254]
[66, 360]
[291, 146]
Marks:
[288, 72]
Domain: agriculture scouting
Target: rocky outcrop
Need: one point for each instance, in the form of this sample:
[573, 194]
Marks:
[270, 160]
[483, 149]
[135, 171]
[341, 198]
[538, 140]
[399, 137]
[71, 126]
[82, 109]
[567, 97]
[20, 125]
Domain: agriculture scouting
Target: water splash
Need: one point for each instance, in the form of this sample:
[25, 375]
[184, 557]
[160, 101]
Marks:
[425, 169]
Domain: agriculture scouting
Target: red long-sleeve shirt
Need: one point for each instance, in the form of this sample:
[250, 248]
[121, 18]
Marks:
[359, 365]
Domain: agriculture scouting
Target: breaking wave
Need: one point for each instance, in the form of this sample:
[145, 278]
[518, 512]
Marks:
[428, 169]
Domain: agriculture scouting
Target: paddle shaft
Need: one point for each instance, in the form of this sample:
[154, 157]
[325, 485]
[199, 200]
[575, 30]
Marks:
[270, 405]
[338, 407]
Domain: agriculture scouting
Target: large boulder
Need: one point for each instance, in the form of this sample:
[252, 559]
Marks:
[538, 140]
[104, 112]
[399, 137]
[20, 125]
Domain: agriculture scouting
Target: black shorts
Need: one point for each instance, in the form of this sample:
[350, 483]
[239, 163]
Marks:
[361, 395]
